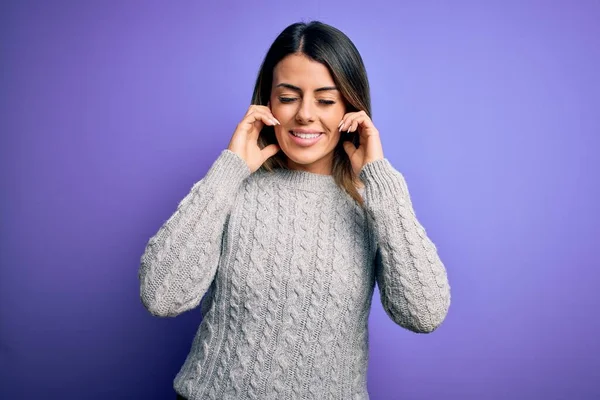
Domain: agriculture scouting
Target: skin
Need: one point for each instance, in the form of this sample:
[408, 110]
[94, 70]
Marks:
[298, 100]
[306, 107]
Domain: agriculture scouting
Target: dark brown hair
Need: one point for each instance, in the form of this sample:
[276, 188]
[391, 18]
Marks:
[331, 47]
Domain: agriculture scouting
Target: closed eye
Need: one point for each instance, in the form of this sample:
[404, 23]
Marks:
[292, 99]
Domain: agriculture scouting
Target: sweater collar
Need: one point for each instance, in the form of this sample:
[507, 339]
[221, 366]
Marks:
[304, 180]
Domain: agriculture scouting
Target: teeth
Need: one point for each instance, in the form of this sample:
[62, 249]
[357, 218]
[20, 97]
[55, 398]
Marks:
[305, 135]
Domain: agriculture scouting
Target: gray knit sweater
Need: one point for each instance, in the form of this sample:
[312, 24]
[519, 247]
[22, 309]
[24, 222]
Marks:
[283, 265]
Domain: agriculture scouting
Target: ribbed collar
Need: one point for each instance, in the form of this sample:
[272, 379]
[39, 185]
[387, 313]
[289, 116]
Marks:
[303, 180]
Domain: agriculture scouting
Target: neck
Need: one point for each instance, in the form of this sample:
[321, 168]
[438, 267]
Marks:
[320, 167]
[305, 180]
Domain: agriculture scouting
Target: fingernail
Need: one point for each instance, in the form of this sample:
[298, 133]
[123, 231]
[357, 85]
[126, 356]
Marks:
[274, 122]
[340, 124]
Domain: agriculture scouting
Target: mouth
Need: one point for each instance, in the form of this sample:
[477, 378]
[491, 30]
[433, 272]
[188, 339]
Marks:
[305, 139]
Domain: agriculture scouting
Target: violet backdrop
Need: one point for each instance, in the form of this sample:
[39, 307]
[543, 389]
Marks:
[110, 111]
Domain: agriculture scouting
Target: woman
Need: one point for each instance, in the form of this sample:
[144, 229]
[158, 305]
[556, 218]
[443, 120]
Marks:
[286, 235]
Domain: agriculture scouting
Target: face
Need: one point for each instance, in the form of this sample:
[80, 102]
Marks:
[304, 99]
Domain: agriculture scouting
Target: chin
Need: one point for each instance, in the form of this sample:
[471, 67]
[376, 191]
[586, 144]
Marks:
[303, 159]
[306, 158]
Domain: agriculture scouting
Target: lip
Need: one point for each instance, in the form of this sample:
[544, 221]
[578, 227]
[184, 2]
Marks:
[304, 130]
[305, 142]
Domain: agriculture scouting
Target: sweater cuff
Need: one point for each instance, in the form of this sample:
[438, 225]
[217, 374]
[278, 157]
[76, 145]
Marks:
[381, 178]
[227, 172]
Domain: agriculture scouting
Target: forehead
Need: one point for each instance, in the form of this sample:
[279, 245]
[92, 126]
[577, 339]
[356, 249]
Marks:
[300, 71]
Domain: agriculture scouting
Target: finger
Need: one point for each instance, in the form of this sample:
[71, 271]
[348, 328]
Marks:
[344, 122]
[270, 151]
[250, 109]
[262, 117]
[265, 111]
[260, 108]
[253, 123]
[360, 120]
[349, 148]
[352, 123]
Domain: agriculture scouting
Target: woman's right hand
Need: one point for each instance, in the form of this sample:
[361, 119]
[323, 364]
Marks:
[245, 138]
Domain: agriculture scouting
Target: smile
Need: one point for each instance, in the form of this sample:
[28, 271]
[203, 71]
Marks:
[305, 139]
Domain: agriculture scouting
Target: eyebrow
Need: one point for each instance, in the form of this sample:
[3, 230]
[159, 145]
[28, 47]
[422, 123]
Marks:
[297, 89]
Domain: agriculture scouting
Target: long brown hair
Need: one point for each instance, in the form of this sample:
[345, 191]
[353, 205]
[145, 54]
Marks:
[331, 47]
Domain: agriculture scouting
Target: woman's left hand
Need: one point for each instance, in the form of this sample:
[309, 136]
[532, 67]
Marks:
[369, 148]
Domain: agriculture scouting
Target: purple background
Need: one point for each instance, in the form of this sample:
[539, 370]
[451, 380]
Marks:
[110, 113]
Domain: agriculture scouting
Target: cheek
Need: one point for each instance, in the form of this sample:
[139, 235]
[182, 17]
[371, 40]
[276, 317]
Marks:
[280, 131]
[281, 113]
[333, 120]
[338, 113]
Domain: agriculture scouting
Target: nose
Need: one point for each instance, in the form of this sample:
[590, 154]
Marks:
[306, 112]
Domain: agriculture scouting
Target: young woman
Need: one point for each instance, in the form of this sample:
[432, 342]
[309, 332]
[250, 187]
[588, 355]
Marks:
[283, 240]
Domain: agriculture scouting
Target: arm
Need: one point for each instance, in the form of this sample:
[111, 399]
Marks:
[412, 279]
[181, 259]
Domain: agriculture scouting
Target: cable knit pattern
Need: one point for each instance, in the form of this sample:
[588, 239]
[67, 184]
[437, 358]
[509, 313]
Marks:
[284, 265]
[412, 279]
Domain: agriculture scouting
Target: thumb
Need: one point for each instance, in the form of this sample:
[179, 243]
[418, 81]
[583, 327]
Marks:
[350, 148]
[270, 151]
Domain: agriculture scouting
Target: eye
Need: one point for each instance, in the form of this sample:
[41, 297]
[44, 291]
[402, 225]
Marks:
[327, 102]
[292, 99]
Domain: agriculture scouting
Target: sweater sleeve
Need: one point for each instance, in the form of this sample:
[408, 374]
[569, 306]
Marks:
[180, 261]
[412, 280]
